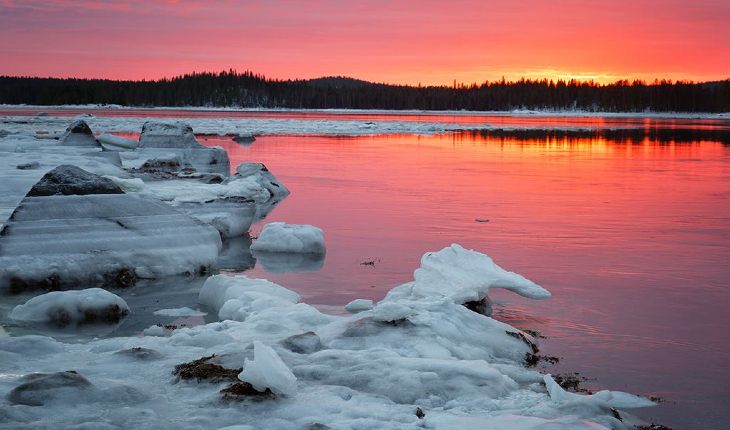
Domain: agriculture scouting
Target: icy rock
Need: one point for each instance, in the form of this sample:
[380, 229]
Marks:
[304, 343]
[64, 231]
[92, 305]
[359, 305]
[78, 134]
[294, 238]
[267, 370]
[112, 142]
[38, 388]
[177, 138]
[262, 176]
[71, 180]
[140, 353]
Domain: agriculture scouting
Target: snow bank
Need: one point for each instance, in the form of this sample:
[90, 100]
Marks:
[64, 307]
[266, 370]
[294, 238]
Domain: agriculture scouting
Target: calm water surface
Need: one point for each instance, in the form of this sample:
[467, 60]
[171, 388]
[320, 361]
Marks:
[633, 239]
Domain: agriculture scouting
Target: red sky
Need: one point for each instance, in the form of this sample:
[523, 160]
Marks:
[409, 41]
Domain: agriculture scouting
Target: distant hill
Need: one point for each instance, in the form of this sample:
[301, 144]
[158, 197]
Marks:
[338, 82]
[234, 89]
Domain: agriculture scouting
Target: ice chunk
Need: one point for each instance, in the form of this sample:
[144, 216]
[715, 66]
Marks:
[235, 297]
[159, 138]
[78, 134]
[267, 370]
[92, 305]
[63, 232]
[463, 276]
[112, 142]
[295, 238]
[614, 399]
[359, 305]
[262, 176]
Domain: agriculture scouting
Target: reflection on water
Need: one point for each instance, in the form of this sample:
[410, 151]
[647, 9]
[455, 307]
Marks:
[632, 239]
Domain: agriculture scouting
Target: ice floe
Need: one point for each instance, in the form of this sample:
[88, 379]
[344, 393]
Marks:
[267, 371]
[291, 238]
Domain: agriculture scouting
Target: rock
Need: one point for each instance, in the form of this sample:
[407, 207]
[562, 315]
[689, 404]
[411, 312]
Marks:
[140, 353]
[78, 134]
[304, 343]
[38, 388]
[28, 166]
[244, 139]
[204, 369]
[71, 180]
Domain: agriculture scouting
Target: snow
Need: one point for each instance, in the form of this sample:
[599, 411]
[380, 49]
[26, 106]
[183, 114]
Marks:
[359, 305]
[267, 370]
[293, 238]
[64, 307]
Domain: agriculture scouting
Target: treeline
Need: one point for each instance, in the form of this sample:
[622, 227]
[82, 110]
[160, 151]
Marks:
[246, 89]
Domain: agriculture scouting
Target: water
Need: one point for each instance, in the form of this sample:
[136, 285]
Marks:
[628, 225]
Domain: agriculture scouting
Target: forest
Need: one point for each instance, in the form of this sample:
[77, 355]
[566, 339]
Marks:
[247, 89]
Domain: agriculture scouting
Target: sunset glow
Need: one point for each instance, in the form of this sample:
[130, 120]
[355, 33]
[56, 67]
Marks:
[407, 42]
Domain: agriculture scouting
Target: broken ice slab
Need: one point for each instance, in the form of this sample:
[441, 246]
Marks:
[77, 227]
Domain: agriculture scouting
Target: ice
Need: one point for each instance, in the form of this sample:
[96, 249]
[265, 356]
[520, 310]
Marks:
[291, 238]
[112, 142]
[461, 368]
[179, 312]
[92, 305]
[267, 370]
[462, 276]
[613, 399]
[359, 305]
[63, 233]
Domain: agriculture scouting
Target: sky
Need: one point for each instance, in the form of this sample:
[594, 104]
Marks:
[407, 42]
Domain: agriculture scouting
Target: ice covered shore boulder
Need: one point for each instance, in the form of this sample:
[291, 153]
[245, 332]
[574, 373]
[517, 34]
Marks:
[77, 227]
[176, 141]
[290, 238]
[93, 305]
[78, 134]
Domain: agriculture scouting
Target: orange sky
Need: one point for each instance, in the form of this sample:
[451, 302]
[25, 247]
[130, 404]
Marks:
[412, 41]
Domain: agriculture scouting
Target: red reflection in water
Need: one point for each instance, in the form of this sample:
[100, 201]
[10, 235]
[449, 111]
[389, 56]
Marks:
[633, 241]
